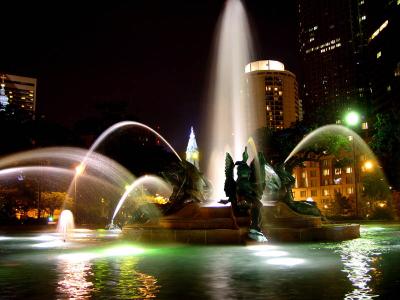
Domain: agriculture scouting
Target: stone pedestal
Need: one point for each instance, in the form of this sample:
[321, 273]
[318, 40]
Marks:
[217, 225]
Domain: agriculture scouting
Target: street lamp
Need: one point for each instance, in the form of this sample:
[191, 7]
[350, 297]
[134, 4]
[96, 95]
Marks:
[78, 171]
[368, 165]
[352, 119]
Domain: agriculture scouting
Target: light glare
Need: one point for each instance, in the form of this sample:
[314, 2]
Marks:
[285, 261]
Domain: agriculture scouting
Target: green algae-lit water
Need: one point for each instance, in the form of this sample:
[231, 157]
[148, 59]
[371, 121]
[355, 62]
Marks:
[100, 265]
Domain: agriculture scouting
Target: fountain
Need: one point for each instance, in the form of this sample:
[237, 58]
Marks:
[231, 114]
[101, 183]
[65, 224]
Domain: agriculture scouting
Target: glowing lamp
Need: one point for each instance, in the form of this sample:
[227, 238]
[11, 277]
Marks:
[352, 118]
[79, 169]
[368, 165]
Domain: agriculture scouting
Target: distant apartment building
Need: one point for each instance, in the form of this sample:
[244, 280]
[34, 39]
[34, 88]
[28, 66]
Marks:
[275, 93]
[325, 181]
[21, 93]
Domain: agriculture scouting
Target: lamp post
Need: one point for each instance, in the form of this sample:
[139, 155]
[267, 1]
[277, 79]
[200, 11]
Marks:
[352, 119]
[78, 171]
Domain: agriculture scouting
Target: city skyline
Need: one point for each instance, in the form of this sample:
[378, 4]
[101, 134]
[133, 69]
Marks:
[142, 53]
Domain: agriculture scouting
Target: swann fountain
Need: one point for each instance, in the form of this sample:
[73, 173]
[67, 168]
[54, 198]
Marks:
[175, 205]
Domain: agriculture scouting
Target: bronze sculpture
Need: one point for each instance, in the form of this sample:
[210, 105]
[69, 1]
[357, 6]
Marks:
[245, 193]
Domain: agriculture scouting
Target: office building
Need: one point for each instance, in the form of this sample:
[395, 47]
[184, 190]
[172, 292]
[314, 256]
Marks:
[331, 46]
[383, 53]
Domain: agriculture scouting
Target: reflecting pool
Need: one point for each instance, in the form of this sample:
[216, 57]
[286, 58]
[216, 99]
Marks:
[100, 264]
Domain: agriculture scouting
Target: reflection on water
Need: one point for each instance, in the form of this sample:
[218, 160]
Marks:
[74, 283]
[83, 279]
[133, 284]
[360, 259]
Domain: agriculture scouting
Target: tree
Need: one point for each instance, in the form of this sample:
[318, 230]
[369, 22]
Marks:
[277, 145]
[385, 142]
[51, 201]
[375, 186]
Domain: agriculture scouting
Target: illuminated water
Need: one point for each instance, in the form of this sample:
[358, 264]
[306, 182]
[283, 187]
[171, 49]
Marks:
[98, 264]
[66, 224]
[231, 114]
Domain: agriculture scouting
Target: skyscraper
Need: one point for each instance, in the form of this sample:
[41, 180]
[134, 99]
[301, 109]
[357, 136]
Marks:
[331, 45]
[274, 90]
[383, 53]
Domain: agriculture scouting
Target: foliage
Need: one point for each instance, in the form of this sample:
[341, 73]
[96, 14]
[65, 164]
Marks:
[277, 145]
[342, 201]
[375, 186]
[382, 213]
[385, 142]
[55, 200]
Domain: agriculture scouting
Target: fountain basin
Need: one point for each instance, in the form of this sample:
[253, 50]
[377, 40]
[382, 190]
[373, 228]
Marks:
[217, 225]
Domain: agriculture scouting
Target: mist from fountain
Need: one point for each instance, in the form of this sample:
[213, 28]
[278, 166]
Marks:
[106, 134]
[231, 113]
[66, 224]
[332, 130]
[147, 184]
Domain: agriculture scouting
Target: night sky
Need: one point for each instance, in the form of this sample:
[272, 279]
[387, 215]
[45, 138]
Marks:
[154, 55]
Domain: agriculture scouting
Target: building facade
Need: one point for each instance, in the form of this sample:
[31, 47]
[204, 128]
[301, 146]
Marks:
[338, 189]
[275, 92]
[383, 54]
[21, 93]
[331, 46]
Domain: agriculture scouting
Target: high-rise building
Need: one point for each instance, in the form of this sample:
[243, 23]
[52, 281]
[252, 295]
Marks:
[383, 54]
[331, 45]
[21, 93]
[275, 93]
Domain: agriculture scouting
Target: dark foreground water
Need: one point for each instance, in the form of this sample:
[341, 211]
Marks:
[99, 265]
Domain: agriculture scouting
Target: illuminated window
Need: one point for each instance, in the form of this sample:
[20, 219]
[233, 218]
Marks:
[349, 170]
[280, 93]
[383, 26]
[350, 190]
[379, 54]
[303, 174]
[389, 88]
[338, 171]
[325, 172]
[364, 125]
[325, 162]
[325, 192]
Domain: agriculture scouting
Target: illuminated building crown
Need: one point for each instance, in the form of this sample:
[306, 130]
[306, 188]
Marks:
[192, 152]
